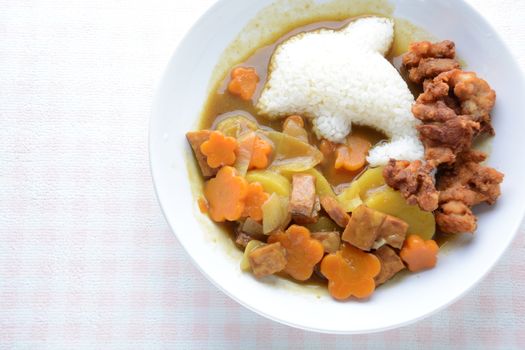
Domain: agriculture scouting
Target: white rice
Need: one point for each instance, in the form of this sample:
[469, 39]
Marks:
[337, 78]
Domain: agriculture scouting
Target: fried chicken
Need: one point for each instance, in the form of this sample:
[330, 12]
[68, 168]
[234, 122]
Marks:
[462, 186]
[469, 181]
[414, 181]
[443, 141]
[424, 49]
[431, 67]
[456, 217]
[454, 107]
[437, 111]
[476, 96]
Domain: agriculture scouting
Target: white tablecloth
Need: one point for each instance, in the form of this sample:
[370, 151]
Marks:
[86, 258]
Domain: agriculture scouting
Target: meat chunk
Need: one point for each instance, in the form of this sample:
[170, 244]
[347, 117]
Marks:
[424, 49]
[196, 139]
[247, 231]
[267, 260]
[478, 183]
[304, 204]
[242, 239]
[476, 97]
[335, 210]
[393, 231]
[439, 155]
[438, 111]
[391, 264]
[449, 138]
[366, 226]
[331, 241]
[429, 68]
[433, 91]
[414, 181]
[462, 186]
[363, 227]
[456, 217]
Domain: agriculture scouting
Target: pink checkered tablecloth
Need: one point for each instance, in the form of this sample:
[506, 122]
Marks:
[86, 258]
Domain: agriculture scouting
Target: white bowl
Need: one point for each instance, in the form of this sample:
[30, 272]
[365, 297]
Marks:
[464, 263]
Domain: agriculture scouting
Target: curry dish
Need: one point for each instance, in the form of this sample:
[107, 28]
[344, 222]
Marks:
[324, 161]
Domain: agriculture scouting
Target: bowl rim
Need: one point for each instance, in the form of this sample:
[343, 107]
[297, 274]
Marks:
[514, 228]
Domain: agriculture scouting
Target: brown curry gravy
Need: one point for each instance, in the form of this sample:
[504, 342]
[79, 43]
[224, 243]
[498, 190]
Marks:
[220, 102]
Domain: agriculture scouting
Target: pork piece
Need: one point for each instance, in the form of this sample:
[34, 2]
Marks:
[414, 181]
[304, 204]
[366, 226]
[429, 68]
[242, 239]
[391, 264]
[437, 111]
[331, 241]
[455, 134]
[392, 231]
[247, 231]
[462, 186]
[335, 211]
[267, 260]
[196, 139]
[362, 229]
[424, 49]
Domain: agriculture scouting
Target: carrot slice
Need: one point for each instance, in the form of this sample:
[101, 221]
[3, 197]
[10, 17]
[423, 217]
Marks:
[261, 152]
[226, 194]
[254, 200]
[219, 149]
[243, 82]
[302, 251]
[419, 254]
[352, 156]
[203, 205]
[350, 272]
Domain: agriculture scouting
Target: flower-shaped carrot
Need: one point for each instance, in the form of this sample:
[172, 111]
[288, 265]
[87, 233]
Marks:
[419, 254]
[352, 156]
[203, 205]
[302, 251]
[243, 82]
[350, 272]
[254, 200]
[261, 152]
[225, 195]
[219, 149]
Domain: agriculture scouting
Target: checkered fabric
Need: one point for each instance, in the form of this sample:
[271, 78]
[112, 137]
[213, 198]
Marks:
[86, 258]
